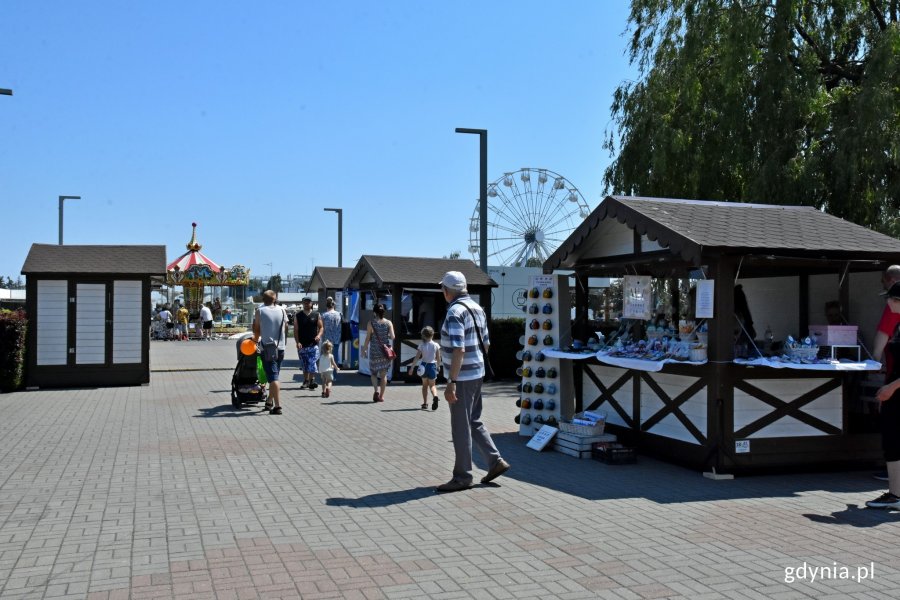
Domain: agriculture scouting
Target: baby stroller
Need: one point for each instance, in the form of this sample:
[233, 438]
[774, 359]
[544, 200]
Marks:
[245, 385]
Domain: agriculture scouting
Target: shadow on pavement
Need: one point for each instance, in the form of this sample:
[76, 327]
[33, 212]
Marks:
[669, 484]
[857, 516]
[227, 410]
[383, 498]
[346, 402]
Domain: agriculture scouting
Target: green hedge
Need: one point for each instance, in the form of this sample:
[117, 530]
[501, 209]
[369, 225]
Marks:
[12, 349]
[505, 334]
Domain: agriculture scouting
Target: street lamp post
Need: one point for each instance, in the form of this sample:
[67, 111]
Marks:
[340, 214]
[482, 200]
[482, 212]
[61, 200]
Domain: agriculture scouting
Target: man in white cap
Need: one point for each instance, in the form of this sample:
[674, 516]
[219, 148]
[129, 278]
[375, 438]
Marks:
[464, 344]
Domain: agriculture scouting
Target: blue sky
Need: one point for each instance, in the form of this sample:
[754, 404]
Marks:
[249, 118]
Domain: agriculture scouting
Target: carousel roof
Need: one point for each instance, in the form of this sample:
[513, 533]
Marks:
[193, 256]
[195, 269]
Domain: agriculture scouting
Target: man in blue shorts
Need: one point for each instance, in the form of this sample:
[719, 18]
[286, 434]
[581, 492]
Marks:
[308, 330]
[270, 327]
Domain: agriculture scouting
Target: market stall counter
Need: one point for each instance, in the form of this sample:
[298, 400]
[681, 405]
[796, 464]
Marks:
[790, 408]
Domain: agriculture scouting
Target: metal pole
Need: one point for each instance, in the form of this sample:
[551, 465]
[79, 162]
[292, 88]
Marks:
[5, 92]
[482, 200]
[340, 215]
[482, 212]
[61, 200]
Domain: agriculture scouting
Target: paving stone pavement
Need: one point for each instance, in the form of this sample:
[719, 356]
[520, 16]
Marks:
[164, 491]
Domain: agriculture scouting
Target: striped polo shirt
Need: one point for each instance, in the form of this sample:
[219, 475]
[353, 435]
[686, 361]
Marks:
[458, 331]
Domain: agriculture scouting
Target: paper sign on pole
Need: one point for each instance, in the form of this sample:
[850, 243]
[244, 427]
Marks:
[636, 297]
[542, 438]
[706, 289]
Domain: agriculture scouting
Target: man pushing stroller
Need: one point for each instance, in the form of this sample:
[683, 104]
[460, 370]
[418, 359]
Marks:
[270, 326]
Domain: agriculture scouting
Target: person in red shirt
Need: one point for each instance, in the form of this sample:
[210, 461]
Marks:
[889, 319]
[889, 397]
[886, 328]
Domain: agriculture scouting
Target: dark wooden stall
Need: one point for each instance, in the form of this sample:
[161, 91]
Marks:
[389, 277]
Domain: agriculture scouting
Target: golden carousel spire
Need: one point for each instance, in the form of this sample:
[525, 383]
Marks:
[194, 245]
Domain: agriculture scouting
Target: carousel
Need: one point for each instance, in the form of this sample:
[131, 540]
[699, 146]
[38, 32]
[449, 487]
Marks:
[194, 271]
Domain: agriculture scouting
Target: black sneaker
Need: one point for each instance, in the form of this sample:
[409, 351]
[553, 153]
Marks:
[434, 403]
[886, 500]
[275, 411]
[313, 385]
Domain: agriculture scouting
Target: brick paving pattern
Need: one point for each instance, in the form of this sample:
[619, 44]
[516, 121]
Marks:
[164, 491]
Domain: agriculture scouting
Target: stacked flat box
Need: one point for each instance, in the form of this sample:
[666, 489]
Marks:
[579, 446]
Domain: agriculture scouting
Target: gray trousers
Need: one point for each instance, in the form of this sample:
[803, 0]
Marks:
[467, 428]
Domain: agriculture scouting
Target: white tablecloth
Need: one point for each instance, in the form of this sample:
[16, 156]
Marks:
[568, 355]
[868, 365]
[639, 364]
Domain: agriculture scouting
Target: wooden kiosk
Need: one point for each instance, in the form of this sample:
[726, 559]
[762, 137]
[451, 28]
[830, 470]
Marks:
[395, 277]
[734, 417]
[89, 314]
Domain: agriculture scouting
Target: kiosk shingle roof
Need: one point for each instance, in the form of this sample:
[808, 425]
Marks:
[415, 271]
[331, 277]
[690, 227]
[132, 260]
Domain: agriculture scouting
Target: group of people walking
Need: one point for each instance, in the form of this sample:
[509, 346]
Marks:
[461, 353]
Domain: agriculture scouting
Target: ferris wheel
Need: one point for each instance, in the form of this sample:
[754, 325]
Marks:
[530, 213]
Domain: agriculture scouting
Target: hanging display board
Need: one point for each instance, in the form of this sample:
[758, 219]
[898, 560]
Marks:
[706, 290]
[636, 297]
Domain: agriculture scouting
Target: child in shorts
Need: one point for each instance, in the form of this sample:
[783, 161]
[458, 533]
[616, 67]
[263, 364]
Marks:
[327, 368]
[428, 357]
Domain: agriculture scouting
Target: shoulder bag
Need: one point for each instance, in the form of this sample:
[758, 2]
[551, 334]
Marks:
[385, 349]
[488, 369]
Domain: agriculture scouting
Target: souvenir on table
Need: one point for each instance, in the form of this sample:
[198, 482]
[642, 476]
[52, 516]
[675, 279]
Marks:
[535, 324]
[533, 309]
[548, 309]
[547, 325]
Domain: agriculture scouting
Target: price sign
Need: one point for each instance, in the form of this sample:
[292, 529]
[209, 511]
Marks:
[542, 438]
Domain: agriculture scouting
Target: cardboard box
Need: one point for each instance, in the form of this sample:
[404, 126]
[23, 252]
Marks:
[834, 335]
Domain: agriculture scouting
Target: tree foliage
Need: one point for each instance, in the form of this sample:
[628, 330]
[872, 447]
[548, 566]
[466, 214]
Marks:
[274, 283]
[769, 101]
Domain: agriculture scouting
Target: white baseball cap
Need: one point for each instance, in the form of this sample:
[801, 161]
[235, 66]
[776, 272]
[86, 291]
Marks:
[453, 280]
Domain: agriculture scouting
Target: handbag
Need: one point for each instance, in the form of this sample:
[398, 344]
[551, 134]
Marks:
[488, 369]
[385, 349]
